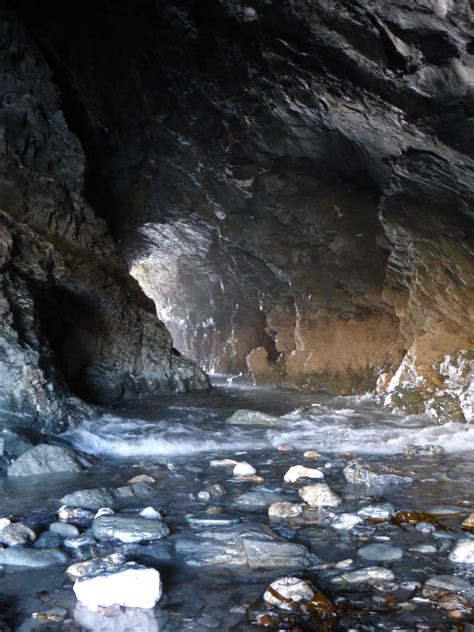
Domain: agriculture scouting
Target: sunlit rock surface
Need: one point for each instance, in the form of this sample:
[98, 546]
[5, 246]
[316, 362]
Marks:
[290, 182]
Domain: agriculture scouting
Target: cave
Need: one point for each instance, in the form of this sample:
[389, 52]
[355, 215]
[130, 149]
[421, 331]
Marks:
[276, 194]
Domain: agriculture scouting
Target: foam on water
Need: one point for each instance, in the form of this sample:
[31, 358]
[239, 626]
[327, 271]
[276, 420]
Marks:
[361, 428]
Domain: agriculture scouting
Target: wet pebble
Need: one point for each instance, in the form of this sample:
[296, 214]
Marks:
[64, 529]
[319, 495]
[381, 553]
[300, 471]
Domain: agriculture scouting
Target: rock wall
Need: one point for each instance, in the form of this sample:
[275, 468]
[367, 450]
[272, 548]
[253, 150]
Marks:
[73, 323]
[291, 181]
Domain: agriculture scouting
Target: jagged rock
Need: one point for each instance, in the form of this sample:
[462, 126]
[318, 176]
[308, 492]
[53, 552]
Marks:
[45, 459]
[247, 545]
[363, 474]
[129, 529]
[346, 521]
[287, 591]
[463, 552]
[284, 510]
[101, 497]
[16, 533]
[423, 450]
[130, 585]
[319, 495]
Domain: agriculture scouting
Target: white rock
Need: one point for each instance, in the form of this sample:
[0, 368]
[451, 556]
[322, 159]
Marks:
[286, 591]
[151, 513]
[383, 511]
[463, 552]
[244, 469]
[104, 511]
[346, 521]
[284, 510]
[132, 586]
[371, 575]
[116, 619]
[16, 533]
[223, 463]
[300, 471]
[4, 522]
[319, 495]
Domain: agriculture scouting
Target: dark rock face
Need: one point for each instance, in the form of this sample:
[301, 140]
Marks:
[71, 318]
[291, 183]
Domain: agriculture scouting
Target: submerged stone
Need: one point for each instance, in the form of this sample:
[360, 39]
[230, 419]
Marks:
[286, 591]
[64, 529]
[384, 511]
[131, 586]
[372, 575]
[363, 474]
[255, 500]
[381, 553]
[91, 499]
[283, 510]
[463, 552]
[247, 545]
[209, 520]
[94, 566]
[319, 495]
[128, 529]
[45, 459]
[346, 521]
[31, 558]
[423, 450]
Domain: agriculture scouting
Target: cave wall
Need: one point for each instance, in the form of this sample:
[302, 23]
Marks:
[291, 182]
[73, 322]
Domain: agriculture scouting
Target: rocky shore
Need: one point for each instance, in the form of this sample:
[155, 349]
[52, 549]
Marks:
[279, 540]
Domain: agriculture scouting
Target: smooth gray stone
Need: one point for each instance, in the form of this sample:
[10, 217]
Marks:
[32, 558]
[439, 585]
[64, 529]
[244, 544]
[255, 500]
[128, 529]
[45, 459]
[92, 499]
[255, 418]
[384, 511]
[210, 520]
[381, 553]
[47, 540]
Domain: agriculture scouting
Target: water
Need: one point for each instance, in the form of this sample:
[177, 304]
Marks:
[174, 440]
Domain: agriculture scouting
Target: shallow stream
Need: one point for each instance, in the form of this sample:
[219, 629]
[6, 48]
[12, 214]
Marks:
[174, 439]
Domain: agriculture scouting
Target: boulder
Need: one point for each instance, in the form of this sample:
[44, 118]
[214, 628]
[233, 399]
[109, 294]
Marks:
[45, 459]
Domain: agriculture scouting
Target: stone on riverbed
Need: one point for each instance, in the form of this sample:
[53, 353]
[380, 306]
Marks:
[31, 558]
[346, 521]
[319, 495]
[64, 529]
[300, 471]
[287, 591]
[381, 553]
[131, 586]
[75, 515]
[437, 586]
[47, 540]
[94, 566]
[284, 510]
[128, 529]
[244, 469]
[362, 473]
[249, 545]
[45, 459]
[384, 511]
[209, 520]
[255, 418]
[371, 575]
[463, 552]
[423, 450]
[255, 500]
[96, 498]
[16, 533]
[223, 463]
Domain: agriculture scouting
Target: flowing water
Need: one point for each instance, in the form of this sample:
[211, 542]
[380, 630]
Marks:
[174, 439]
